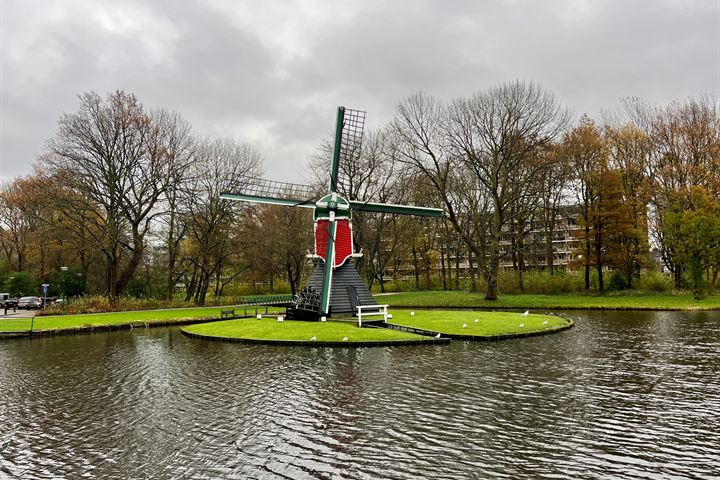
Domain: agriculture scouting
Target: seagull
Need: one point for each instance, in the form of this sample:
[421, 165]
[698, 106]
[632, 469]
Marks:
[522, 325]
[527, 312]
[313, 338]
[345, 339]
[437, 336]
[464, 325]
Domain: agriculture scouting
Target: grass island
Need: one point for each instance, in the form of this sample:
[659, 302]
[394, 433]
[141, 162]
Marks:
[406, 327]
[268, 330]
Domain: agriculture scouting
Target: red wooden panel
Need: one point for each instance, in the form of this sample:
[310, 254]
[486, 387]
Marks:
[321, 235]
[343, 240]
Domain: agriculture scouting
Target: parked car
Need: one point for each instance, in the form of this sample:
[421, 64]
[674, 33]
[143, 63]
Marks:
[30, 302]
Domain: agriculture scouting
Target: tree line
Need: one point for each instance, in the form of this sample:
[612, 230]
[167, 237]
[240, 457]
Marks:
[129, 198]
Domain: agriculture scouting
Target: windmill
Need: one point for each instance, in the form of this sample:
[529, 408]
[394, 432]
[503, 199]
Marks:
[332, 222]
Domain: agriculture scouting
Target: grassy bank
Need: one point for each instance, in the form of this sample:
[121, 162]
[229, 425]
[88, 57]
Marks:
[60, 322]
[458, 322]
[452, 322]
[271, 329]
[456, 299]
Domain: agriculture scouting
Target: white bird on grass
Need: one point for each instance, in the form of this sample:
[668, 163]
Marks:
[476, 320]
[545, 322]
[522, 325]
[464, 325]
[313, 338]
[345, 339]
[527, 312]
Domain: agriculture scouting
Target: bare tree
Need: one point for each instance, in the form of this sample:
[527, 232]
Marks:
[553, 185]
[176, 141]
[418, 126]
[684, 141]
[220, 166]
[112, 155]
[15, 225]
[497, 134]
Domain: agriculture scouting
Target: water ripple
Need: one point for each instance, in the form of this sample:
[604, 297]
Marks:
[622, 395]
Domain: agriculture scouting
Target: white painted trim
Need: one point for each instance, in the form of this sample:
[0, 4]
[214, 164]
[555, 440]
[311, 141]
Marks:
[380, 310]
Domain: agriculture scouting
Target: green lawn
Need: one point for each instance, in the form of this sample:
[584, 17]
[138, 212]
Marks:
[476, 323]
[441, 299]
[270, 329]
[114, 318]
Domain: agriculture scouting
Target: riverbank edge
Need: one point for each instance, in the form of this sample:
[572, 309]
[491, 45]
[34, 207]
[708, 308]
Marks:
[87, 329]
[624, 308]
[485, 338]
[315, 344]
[445, 338]
[457, 299]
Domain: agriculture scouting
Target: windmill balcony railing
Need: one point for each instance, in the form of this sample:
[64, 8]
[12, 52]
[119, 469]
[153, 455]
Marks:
[263, 300]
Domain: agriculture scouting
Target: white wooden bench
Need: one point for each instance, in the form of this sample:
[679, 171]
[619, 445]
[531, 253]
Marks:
[370, 310]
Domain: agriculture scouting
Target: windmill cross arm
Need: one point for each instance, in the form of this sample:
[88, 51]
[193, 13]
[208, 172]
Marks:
[310, 203]
[399, 209]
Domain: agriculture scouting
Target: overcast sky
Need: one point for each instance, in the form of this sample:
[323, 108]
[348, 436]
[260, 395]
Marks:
[271, 73]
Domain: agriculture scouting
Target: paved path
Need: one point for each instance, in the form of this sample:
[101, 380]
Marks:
[17, 314]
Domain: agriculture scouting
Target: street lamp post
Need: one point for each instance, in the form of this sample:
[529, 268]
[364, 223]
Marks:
[63, 269]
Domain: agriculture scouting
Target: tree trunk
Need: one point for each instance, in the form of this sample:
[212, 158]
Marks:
[550, 251]
[678, 275]
[521, 271]
[443, 278]
[127, 272]
[587, 258]
[416, 270]
[457, 268]
[491, 293]
[112, 275]
[471, 269]
[599, 263]
[171, 256]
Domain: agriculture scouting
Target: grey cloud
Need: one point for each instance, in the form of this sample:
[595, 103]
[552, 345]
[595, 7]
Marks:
[231, 78]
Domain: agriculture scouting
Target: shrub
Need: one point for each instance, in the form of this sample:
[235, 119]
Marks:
[654, 282]
[617, 282]
[541, 282]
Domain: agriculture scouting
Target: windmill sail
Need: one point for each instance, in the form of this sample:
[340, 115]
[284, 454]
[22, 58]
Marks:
[261, 190]
[348, 140]
[398, 209]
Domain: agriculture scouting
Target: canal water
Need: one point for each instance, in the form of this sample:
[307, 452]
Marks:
[621, 395]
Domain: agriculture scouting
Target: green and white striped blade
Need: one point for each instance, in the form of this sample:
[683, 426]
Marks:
[288, 202]
[399, 209]
[335, 166]
[329, 261]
